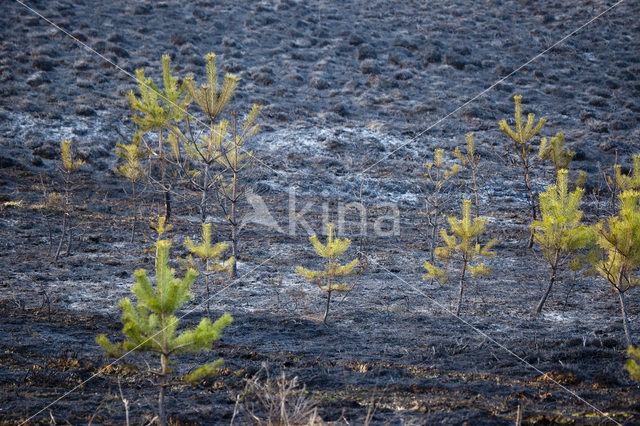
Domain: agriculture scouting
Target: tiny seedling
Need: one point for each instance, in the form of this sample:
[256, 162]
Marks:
[152, 325]
[560, 233]
[69, 167]
[522, 148]
[210, 256]
[461, 245]
[328, 279]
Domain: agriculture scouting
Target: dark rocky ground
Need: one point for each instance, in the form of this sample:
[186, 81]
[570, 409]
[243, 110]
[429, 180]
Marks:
[347, 87]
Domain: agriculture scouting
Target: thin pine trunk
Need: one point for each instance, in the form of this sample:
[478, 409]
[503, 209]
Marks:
[164, 360]
[206, 280]
[461, 289]
[532, 202]
[326, 309]
[203, 200]
[133, 205]
[163, 181]
[64, 230]
[552, 278]
[623, 310]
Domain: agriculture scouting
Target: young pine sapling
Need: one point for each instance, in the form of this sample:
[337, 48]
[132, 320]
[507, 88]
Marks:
[69, 167]
[439, 177]
[461, 244]
[152, 325]
[205, 150]
[236, 160]
[560, 232]
[619, 241]
[328, 279]
[522, 148]
[210, 256]
[132, 171]
[158, 110]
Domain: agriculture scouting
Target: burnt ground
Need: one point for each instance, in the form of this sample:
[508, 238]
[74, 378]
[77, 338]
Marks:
[347, 87]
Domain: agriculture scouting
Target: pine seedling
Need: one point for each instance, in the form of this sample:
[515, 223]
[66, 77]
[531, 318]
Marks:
[633, 364]
[619, 241]
[205, 151]
[560, 233]
[70, 165]
[132, 171]
[157, 110]
[554, 151]
[470, 160]
[439, 176]
[329, 279]
[210, 256]
[152, 325]
[462, 246]
[522, 148]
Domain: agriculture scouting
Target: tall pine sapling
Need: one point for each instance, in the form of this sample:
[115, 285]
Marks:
[236, 160]
[158, 110]
[461, 245]
[619, 241]
[152, 325]
[439, 177]
[522, 148]
[560, 233]
[329, 279]
[69, 166]
[210, 256]
[132, 171]
[206, 150]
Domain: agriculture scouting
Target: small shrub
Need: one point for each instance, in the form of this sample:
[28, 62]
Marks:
[279, 401]
[633, 364]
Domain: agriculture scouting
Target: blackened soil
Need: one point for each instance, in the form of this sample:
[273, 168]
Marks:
[347, 86]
